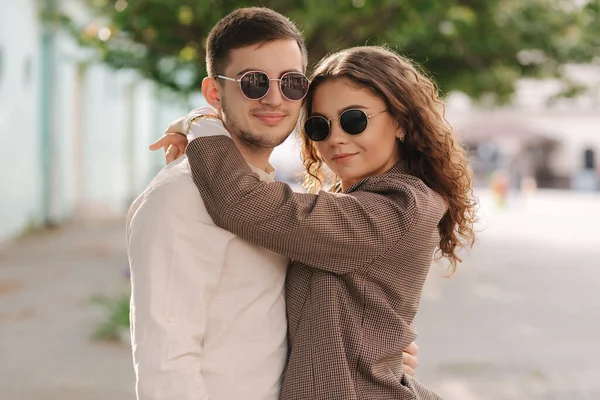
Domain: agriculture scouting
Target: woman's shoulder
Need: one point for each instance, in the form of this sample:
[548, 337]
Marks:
[399, 183]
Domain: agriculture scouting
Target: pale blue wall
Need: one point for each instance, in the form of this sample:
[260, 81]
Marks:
[99, 164]
[20, 189]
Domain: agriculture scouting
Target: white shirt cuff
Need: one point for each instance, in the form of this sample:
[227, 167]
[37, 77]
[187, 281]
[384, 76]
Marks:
[204, 126]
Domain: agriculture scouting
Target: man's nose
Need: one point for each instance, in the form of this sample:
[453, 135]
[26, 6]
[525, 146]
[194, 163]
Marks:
[274, 97]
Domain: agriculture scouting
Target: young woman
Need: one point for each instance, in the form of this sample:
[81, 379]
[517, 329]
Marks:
[398, 187]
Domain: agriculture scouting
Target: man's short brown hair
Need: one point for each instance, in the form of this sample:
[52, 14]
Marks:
[244, 27]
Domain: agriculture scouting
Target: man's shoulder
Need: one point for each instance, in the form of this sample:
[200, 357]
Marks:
[176, 174]
[172, 191]
[174, 183]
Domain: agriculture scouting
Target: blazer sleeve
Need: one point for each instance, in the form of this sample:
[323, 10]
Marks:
[339, 233]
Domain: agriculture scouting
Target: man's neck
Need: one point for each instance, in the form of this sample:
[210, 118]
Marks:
[257, 157]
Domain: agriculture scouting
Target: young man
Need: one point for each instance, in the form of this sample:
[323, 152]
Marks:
[208, 310]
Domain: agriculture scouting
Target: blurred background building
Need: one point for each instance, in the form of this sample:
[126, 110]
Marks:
[75, 134]
[553, 140]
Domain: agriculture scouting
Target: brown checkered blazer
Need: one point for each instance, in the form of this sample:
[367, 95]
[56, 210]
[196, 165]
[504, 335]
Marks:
[360, 260]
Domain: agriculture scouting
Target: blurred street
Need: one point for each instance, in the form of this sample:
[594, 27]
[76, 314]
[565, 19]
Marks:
[521, 317]
[519, 320]
[46, 316]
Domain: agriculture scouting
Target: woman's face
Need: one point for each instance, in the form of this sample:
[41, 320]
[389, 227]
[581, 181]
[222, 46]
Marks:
[354, 157]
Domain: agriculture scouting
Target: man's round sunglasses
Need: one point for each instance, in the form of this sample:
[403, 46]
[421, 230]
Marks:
[256, 84]
[352, 122]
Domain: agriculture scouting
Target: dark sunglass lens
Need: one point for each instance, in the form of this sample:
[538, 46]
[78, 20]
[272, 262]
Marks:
[294, 85]
[353, 122]
[255, 85]
[316, 128]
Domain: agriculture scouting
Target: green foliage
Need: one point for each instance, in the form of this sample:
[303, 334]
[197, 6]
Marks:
[117, 320]
[478, 47]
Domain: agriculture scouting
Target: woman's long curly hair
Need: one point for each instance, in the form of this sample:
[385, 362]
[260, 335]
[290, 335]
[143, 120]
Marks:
[429, 147]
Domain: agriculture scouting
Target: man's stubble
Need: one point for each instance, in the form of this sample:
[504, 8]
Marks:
[252, 141]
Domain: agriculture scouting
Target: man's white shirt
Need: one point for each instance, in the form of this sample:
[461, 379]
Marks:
[208, 317]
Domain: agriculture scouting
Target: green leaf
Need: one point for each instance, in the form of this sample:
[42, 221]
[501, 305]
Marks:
[470, 46]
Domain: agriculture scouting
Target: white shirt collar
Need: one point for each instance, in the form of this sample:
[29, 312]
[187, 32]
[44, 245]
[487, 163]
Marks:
[265, 176]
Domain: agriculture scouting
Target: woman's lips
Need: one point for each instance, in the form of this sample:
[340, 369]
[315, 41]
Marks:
[343, 158]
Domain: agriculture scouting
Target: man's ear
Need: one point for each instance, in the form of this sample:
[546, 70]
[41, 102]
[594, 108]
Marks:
[212, 92]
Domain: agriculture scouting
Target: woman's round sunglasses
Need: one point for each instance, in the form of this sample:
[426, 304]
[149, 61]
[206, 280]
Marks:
[352, 122]
[256, 84]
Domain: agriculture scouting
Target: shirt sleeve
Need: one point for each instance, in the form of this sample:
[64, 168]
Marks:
[214, 128]
[339, 233]
[175, 262]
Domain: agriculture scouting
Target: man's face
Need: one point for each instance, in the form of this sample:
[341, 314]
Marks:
[267, 122]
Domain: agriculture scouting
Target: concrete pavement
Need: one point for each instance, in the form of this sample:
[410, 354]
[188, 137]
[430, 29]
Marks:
[46, 317]
[521, 317]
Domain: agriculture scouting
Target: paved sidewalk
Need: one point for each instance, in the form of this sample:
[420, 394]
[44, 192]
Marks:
[46, 318]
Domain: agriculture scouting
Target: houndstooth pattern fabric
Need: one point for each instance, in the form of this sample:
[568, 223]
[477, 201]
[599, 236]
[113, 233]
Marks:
[360, 259]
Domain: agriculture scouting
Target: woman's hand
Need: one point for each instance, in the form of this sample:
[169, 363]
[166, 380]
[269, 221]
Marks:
[410, 359]
[173, 142]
